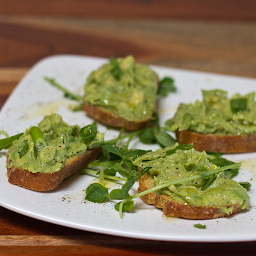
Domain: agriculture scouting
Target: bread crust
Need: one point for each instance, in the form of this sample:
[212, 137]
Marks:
[218, 143]
[172, 208]
[109, 118]
[49, 181]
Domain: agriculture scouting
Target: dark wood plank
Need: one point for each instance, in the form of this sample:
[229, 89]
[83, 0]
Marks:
[182, 9]
[26, 45]
[9, 78]
[213, 47]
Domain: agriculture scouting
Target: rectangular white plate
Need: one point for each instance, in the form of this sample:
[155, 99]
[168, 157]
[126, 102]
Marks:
[33, 98]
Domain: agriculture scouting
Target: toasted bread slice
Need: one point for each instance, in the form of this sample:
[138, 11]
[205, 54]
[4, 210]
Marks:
[109, 118]
[49, 181]
[121, 93]
[172, 208]
[218, 143]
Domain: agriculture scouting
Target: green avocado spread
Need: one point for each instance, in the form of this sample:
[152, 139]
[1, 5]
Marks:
[129, 93]
[62, 142]
[186, 163]
[217, 114]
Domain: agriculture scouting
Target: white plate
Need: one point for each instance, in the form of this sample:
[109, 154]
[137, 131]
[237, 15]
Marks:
[33, 98]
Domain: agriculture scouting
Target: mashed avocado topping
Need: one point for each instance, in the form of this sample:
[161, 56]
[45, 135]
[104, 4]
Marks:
[217, 114]
[166, 167]
[62, 142]
[130, 93]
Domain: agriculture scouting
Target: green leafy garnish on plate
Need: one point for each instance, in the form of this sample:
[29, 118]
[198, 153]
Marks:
[200, 226]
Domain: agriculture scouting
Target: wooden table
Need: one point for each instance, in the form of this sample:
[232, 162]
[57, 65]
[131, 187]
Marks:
[182, 38]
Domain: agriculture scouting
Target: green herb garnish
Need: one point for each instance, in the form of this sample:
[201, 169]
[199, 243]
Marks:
[182, 147]
[147, 136]
[96, 193]
[246, 185]
[200, 226]
[125, 168]
[166, 85]
[76, 108]
[239, 104]
[88, 132]
[7, 142]
[116, 70]
[67, 93]
[219, 161]
[119, 194]
[4, 133]
[37, 137]
[165, 139]
[24, 150]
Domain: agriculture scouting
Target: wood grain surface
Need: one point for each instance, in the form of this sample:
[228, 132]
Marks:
[26, 236]
[212, 36]
[157, 9]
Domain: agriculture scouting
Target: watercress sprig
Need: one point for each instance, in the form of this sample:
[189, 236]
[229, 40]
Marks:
[67, 93]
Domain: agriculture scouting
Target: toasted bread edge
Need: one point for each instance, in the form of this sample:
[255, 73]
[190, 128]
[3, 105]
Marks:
[49, 181]
[172, 208]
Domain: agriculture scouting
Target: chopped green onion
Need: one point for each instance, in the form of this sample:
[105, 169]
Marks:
[24, 150]
[116, 71]
[7, 142]
[88, 132]
[38, 138]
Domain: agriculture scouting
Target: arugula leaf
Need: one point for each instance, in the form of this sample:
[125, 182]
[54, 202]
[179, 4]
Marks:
[166, 85]
[116, 70]
[24, 150]
[88, 132]
[96, 193]
[239, 104]
[7, 142]
[200, 226]
[165, 139]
